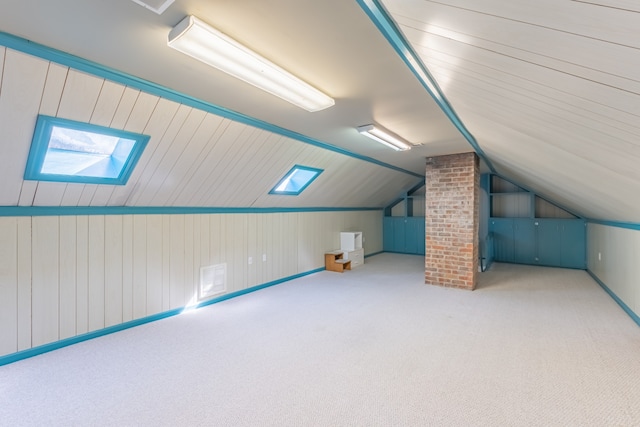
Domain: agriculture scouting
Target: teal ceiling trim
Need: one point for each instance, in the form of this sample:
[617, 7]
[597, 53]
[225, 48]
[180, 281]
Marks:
[156, 210]
[381, 18]
[75, 62]
[627, 225]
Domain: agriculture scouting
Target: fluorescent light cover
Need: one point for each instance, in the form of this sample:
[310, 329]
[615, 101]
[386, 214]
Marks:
[204, 43]
[383, 136]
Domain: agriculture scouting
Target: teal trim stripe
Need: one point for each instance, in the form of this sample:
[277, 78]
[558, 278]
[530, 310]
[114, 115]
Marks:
[152, 210]
[50, 54]
[628, 225]
[621, 303]
[14, 357]
[381, 18]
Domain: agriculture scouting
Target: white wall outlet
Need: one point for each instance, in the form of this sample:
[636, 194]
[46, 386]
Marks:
[250, 260]
[264, 257]
[599, 256]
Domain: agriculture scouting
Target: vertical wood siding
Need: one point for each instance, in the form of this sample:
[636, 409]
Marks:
[68, 275]
[617, 267]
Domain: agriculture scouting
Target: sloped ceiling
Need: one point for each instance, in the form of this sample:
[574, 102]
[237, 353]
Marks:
[549, 90]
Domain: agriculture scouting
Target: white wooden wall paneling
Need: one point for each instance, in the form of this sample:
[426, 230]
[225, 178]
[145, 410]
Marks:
[254, 191]
[594, 101]
[70, 274]
[238, 193]
[291, 246]
[216, 145]
[305, 234]
[186, 161]
[135, 121]
[558, 168]
[45, 286]
[193, 162]
[206, 241]
[102, 114]
[56, 77]
[108, 102]
[505, 115]
[82, 274]
[154, 264]
[166, 262]
[277, 168]
[216, 241]
[243, 191]
[574, 17]
[574, 50]
[225, 170]
[113, 260]
[24, 284]
[23, 79]
[267, 266]
[226, 243]
[588, 142]
[500, 87]
[277, 239]
[126, 103]
[8, 285]
[177, 262]
[160, 177]
[140, 263]
[127, 267]
[191, 260]
[534, 67]
[160, 147]
[96, 272]
[251, 250]
[180, 146]
[77, 102]
[68, 271]
[156, 127]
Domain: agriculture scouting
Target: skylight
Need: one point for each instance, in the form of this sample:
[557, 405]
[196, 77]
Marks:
[296, 180]
[67, 151]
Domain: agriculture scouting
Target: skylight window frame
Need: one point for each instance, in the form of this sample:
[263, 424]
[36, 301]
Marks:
[290, 173]
[40, 146]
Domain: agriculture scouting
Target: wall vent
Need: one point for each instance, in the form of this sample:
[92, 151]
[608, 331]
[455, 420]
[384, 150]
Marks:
[158, 6]
[213, 281]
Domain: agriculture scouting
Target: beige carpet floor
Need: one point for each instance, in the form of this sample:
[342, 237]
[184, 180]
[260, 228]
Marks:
[532, 346]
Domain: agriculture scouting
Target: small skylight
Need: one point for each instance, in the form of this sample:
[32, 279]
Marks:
[296, 180]
[67, 151]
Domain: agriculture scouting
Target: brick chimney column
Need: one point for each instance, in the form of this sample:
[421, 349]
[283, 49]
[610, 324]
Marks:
[451, 220]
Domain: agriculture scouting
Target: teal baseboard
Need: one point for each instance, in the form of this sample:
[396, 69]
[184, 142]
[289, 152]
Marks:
[621, 303]
[24, 354]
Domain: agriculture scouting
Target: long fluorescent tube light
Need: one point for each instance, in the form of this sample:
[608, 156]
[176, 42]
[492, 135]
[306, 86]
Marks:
[383, 136]
[197, 39]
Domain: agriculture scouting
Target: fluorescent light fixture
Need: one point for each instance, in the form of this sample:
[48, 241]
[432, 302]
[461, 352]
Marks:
[204, 43]
[383, 136]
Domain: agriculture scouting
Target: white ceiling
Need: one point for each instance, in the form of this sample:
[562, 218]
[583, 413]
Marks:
[549, 89]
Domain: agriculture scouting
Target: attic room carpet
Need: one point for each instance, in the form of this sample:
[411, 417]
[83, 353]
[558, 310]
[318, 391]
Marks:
[532, 346]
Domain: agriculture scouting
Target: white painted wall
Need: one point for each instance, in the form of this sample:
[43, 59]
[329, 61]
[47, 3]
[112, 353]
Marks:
[618, 266]
[62, 276]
